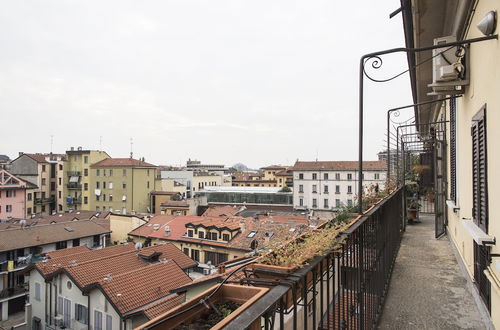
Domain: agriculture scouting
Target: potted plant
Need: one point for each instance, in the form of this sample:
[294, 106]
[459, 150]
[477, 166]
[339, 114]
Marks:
[211, 309]
[413, 207]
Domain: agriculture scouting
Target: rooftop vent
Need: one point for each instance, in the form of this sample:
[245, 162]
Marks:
[68, 229]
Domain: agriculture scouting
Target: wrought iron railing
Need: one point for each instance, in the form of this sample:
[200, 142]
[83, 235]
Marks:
[39, 201]
[73, 185]
[344, 289]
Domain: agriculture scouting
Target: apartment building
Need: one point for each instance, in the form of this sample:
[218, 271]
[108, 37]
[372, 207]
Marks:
[270, 176]
[118, 287]
[22, 246]
[120, 185]
[329, 185]
[472, 139]
[16, 196]
[77, 177]
[45, 171]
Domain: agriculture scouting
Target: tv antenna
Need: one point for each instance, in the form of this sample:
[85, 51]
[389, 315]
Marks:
[131, 148]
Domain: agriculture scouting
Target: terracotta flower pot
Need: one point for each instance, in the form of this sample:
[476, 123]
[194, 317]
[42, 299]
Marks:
[240, 294]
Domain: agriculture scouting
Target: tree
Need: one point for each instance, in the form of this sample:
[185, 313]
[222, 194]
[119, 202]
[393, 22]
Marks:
[285, 189]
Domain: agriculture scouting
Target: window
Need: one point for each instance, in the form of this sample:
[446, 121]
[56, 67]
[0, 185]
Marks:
[252, 234]
[8, 208]
[148, 185]
[110, 198]
[349, 202]
[337, 189]
[97, 185]
[124, 185]
[110, 172]
[97, 172]
[314, 189]
[195, 255]
[44, 181]
[86, 186]
[97, 198]
[349, 189]
[325, 176]
[301, 176]
[43, 208]
[67, 313]
[301, 188]
[28, 211]
[186, 251]
[76, 242]
[124, 172]
[225, 237]
[315, 202]
[60, 167]
[301, 202]
[85, 200]
[30, 196]
[110, 185]
[190, 233]
[109, 322]
[315, 176]
[59, 194]
[337, 176]
[479, 170]
[337, 203]
[43, 168]
[104, 185]
[97, 320]
[103, 197]
[349, 176]
[59, 181]
[376, 176]
[453, 150]
[325, 203]
[325, 189]
[201, 234]
[60, 304]
[61, 245]
[85, 161]
[37, 291]
[81, 313]
[11, 193]
[104, 172]
[86, 172]
[52, 186]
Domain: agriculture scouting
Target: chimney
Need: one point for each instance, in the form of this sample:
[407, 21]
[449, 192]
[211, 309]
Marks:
[21, 153]
[222, 268]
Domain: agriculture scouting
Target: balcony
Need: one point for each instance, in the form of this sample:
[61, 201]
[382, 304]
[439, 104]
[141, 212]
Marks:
[73, 201]
[15, 291]
[74, 173]
[72, 186]
[42, 201]
[343, 288]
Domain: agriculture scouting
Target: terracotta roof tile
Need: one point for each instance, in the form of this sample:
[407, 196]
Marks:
[163, 305]
[121, 162]
[274, 167]
[217, 211]
[67, 252]
[175, 204]
[131, 290]
[338, 165]
[12, 239]
[42, 158]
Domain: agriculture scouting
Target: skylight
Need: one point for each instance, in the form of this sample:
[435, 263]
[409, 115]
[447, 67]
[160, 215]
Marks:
[252, 234]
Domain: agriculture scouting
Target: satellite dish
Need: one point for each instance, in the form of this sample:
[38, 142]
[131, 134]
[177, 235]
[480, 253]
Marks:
[138, 246]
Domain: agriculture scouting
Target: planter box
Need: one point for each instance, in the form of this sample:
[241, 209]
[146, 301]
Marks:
[245, 295]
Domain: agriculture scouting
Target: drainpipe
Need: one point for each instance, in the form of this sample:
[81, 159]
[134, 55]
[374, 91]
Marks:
[88, 311]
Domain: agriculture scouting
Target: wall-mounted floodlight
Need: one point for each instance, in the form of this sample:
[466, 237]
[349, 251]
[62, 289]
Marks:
[488, 24]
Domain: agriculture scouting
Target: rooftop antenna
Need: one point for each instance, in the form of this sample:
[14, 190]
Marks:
[100, 142]
[131, 148]
[51, 142]
[316, 154]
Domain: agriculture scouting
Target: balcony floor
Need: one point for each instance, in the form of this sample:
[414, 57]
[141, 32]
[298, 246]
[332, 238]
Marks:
[428, 289]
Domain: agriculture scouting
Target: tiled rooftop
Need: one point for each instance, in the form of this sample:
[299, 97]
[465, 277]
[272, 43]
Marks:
[121, 162]
[134, 289]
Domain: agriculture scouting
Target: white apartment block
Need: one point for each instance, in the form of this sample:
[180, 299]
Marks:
[328, 185]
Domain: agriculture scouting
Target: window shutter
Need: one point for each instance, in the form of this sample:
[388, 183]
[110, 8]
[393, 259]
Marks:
[479, 170]
[453, 151]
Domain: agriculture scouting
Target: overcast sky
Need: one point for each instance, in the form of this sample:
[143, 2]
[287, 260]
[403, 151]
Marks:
[259, 81]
